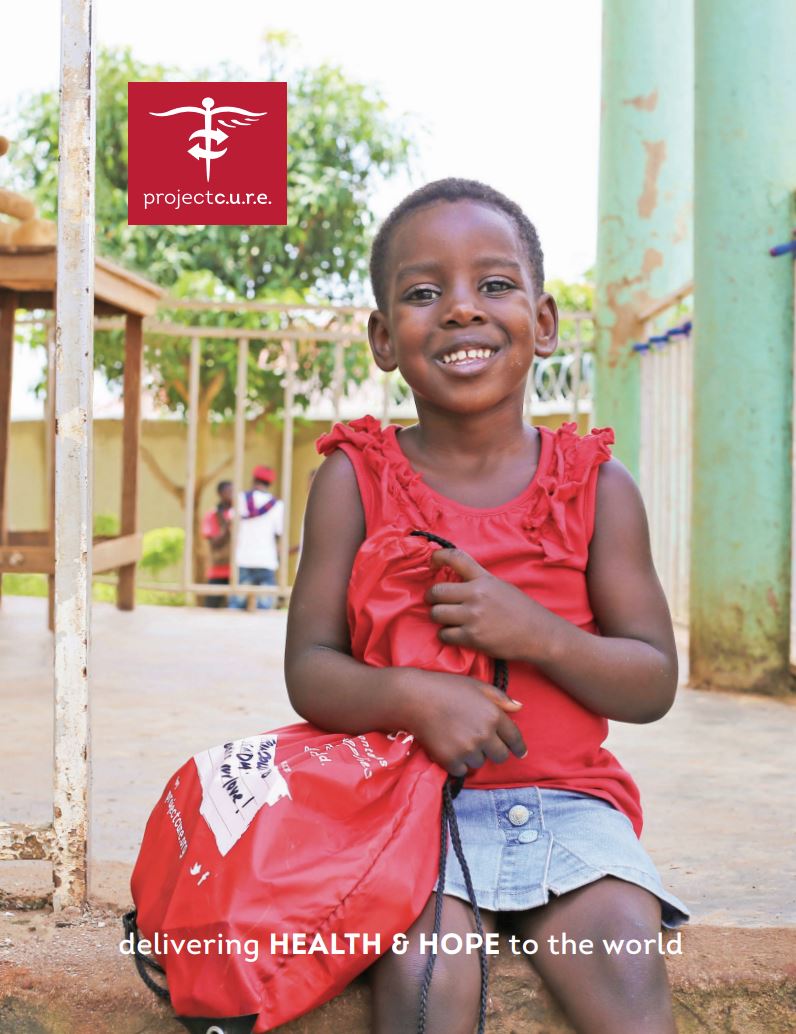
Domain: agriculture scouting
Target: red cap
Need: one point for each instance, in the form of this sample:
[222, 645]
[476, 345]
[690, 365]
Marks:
[266, 474]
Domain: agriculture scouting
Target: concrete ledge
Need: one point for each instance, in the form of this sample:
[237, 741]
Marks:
[66, 976]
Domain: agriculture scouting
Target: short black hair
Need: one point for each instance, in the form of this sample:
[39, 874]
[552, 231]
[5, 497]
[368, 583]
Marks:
[222, 485]
[453, 189]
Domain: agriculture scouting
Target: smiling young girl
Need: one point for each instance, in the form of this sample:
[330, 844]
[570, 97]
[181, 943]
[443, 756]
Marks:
[553, 574]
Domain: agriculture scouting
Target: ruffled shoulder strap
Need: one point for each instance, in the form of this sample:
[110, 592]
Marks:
[561, 516]
[390, 490]
[358, 434]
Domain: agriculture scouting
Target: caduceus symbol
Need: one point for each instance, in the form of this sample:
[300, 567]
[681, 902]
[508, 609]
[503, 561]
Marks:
[208, 134]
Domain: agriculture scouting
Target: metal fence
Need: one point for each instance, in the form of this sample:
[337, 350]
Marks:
[561, 384]
[666, 440]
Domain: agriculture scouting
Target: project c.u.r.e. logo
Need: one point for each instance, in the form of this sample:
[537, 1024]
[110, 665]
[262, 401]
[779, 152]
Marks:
[207, 154]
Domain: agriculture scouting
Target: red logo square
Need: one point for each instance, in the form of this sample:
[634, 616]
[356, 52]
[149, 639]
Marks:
[212, 154]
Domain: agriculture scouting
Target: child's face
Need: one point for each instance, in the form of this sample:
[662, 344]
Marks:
[463, 321]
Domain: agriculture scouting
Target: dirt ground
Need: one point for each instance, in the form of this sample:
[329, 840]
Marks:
[715, 774]
[715, 777]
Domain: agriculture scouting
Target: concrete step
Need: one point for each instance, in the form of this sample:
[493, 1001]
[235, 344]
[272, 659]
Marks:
[65, 975]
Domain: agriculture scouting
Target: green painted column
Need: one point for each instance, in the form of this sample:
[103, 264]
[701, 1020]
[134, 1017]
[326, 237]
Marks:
[646, 159]
[745, 121]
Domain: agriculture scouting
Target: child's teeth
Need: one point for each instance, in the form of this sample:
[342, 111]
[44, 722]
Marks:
[469, 353]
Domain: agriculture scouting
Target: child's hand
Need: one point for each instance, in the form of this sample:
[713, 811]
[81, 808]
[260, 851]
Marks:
[462, 722]
[483, 612]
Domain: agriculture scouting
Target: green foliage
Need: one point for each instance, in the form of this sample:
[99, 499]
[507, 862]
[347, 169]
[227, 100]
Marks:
[343, 142]
[162, 548]
[103, 592]
[24, 584]
[571, 298]
[106, 524]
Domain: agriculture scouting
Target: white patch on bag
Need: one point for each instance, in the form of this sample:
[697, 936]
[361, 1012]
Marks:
[237, 779]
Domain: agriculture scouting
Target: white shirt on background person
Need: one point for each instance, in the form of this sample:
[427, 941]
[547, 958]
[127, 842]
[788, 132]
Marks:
[257, 536]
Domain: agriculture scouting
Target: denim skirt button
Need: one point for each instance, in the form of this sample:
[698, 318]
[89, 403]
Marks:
[518, 815]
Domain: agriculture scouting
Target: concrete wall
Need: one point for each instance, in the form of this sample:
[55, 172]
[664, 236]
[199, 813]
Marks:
[166, 440]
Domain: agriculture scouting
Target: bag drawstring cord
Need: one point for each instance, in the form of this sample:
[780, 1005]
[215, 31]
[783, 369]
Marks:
[450, 827]
[144, 962]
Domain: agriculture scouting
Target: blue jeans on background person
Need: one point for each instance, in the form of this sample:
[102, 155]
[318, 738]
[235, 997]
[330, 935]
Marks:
[255, 576]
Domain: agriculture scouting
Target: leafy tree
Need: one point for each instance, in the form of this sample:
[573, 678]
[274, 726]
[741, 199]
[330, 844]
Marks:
[573, 297]
[342, 142]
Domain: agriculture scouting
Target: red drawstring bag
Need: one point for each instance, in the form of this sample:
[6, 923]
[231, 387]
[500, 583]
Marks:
[275, 869]
[268, 861]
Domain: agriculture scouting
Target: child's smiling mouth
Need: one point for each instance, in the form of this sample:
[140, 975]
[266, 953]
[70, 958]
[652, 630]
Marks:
[467, 358]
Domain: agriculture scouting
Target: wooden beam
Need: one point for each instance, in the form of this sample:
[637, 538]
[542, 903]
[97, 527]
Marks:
[242, 305]
[131, 434]
[26, 560]
[28, 538]
[32, 269]
[27, 268]
[231, 333]
[30, 300]
[125, 290]
[122, 552]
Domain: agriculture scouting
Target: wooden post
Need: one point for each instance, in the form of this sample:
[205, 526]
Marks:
[286, 474]
[8, 305]
[241, 389]
[49, 452]
[131, 433]
[190, 460]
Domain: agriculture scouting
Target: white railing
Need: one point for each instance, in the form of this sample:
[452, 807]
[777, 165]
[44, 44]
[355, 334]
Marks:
[562, 383]
[666, 442]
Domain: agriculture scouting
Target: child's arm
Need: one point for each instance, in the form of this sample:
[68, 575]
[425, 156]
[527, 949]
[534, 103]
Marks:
[459, 721]
[629, 672]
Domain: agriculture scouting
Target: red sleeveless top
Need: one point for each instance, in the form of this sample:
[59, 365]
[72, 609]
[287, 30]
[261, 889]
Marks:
[538, 541]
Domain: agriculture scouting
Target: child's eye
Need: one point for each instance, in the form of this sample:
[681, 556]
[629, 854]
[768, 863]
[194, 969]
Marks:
[496, 286]
[421, 294]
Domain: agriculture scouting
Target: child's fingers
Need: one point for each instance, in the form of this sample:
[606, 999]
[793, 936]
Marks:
[459, 561]
[511, 736]
[497, 696]
[448, 614]
[447, 592]
[496, 750]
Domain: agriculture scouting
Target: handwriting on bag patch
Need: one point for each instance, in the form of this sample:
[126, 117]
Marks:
[237, 779]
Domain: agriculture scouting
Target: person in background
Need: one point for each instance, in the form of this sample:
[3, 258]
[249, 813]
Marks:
[216, 529]
[257, 551]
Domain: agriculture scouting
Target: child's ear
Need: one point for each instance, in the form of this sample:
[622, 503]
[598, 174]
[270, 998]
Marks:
[546, 325]
[380, 342]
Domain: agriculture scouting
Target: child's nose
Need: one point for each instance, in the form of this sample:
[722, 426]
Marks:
[464, 308]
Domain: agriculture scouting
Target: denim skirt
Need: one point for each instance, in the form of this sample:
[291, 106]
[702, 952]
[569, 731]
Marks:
[523, 844]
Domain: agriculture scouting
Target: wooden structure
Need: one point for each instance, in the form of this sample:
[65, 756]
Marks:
[28, 281]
